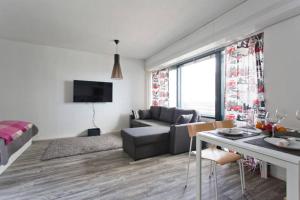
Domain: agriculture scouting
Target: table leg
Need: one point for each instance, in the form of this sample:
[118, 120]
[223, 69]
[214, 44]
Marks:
[293, 182]
[199, 167]
[264, 169]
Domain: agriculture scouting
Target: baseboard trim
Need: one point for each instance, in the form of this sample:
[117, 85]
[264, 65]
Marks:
[15, 156]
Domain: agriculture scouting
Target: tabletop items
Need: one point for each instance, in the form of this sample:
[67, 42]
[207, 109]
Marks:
[236, 133]
[261, 142]
[274, 120]
[288, 140]
[289, 143]
[229, 131]
[270, 126]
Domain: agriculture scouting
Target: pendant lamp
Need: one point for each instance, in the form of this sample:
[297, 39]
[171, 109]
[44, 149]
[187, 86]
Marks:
[117, 72]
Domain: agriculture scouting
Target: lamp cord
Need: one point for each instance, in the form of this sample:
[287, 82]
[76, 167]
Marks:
[94, 114]
[117, 42]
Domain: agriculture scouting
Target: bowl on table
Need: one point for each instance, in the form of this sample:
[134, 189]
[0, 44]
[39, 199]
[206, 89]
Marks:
[230, 131]
[287, 143]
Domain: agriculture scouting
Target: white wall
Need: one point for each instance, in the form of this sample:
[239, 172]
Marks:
[282, 68]
[36, 85]
[282, 73]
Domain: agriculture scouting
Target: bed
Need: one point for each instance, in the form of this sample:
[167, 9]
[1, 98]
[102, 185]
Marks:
[10, 152]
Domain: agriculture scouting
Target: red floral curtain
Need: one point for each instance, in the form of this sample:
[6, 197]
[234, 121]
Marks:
[160, 87]
[244, 80]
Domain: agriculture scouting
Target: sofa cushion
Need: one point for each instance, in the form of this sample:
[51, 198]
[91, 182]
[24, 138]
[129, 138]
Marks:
[135, 114]
[184, 119]
[152, 122]
[155, 112]
[144, 114]
[167, 114]
[146, 135]
[179, 112]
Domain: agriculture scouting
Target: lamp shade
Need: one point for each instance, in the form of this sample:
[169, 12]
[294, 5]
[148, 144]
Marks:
[117, 72]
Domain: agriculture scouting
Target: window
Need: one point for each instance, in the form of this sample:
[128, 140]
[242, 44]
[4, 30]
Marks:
[227, 83]
[194, 84]
[198, 85]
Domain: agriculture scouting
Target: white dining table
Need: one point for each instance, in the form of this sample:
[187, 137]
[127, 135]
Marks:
[288, 161]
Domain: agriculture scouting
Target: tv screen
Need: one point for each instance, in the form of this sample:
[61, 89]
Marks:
[90, 91]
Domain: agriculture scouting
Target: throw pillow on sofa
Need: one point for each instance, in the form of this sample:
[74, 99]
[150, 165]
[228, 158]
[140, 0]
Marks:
[184, 119]
[135, 114]
[179, 112]
[167, 114]
[144, 114]
[155, 112]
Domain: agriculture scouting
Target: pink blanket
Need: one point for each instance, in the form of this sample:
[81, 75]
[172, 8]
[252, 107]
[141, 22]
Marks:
[10, 130]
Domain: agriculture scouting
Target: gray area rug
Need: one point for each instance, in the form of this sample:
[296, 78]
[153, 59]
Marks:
[65, 147]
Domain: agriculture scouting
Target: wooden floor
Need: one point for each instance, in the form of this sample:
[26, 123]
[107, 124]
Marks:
[111, 176]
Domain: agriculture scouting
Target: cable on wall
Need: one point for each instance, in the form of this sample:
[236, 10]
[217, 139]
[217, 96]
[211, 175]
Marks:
[94, 114]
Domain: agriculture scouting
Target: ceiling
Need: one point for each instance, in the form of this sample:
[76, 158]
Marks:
[144, 27]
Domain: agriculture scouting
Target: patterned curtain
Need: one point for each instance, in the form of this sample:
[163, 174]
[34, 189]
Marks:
[244, 80]
[160, 88]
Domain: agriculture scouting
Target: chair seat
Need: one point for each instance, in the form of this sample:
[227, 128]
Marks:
[219, 156]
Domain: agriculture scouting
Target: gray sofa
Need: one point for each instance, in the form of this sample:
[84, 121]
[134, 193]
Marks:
[156, 132]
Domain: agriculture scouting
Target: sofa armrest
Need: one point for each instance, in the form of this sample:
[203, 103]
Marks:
[179, 138]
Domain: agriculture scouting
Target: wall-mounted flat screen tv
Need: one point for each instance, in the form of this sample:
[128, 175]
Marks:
[91, 91]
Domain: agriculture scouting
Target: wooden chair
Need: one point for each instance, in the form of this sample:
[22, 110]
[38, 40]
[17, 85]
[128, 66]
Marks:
[216, 156]
[193, 129]
[224, 124]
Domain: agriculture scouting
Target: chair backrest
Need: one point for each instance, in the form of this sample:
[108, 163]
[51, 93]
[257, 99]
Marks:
[224, 124]
[193, 129]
